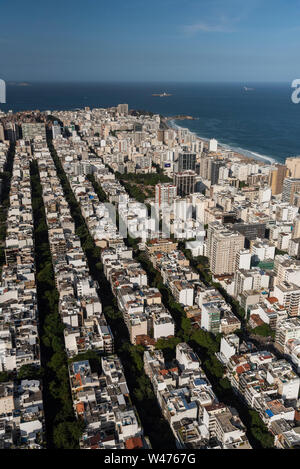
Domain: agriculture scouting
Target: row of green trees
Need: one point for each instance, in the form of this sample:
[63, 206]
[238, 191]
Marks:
[131, 356]
[4, 199]
[206, 345]
[26, 371]
[62, 429]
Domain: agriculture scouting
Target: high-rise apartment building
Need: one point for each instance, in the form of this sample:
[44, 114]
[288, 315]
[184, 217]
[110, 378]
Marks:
[291, 186]
[2, 138]
[186, 161]
[211, 318]
[223, 246]
[293, 165]
[185, 182]
[214, 171]
[56, 130]
[165, 194]
[283, 264]
[210, 168]
[205, 167]
[122, 109]
[276, 178]
[287, 330]
[11, 131]
[294, 248]
[288, 295]
[213, 145]
[296, 227]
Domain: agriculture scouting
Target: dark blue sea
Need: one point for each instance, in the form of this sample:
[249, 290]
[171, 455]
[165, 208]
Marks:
[262, 120]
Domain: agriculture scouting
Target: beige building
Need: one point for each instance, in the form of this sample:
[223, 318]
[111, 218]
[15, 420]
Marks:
[223, 246]
[6, 399]
[161, 245]
[276, 178]
[137, 326]
[293, 165]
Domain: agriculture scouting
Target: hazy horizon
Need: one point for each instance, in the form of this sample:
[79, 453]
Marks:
[142, 82]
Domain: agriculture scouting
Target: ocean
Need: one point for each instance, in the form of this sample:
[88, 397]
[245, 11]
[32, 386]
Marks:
[261, 122]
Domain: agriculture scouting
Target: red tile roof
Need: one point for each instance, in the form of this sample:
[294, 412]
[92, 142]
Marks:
[134, 443]
[272, 299]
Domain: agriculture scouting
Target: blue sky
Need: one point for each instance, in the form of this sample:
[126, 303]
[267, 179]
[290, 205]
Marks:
[166, 40]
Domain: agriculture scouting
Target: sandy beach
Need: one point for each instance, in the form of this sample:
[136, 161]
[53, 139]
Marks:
[243, 155]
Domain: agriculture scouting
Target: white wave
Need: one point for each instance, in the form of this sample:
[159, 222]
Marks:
[263, 157]
[173, 125]
[254, 155]
[242, 151]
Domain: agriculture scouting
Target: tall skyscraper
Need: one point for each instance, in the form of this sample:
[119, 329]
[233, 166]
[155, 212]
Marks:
[291, 186]
[2, 138]
[56, 129]
[223, 246]
[165, 194]
[213, 145]
[276, 178]
[205, 167]
[185, 182]
[214, 171]
[186, 161]
[10, 131]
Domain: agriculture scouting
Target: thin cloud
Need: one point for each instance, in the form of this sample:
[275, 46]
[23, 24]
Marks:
[207, 28]
[222, 24]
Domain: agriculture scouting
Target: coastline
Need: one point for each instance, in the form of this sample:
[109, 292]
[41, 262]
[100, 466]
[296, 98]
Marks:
[241, 153]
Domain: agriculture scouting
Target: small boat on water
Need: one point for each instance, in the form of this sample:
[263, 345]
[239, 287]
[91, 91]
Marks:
[162, 95]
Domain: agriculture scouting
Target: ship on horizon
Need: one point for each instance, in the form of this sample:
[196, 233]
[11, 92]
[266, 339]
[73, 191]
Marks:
[162, 95]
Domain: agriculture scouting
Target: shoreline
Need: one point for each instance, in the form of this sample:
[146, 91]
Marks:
[170, 123]
[242, 154]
